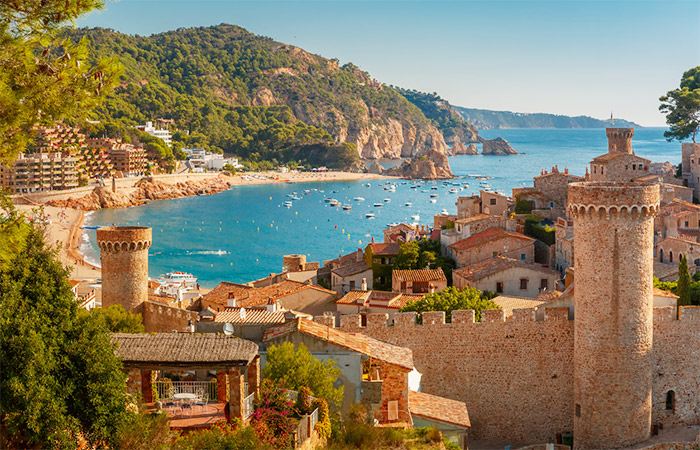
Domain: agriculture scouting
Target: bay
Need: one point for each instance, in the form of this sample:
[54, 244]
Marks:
[241, 234]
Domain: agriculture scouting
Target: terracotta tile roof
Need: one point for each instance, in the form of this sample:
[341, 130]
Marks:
[249, 316]
[487, 236]
[183, 348]
[385, 249]
[391, 300]
[73, 283]
[419, 275]
[508, 303]
[153, 284]
[351, 268]
[568, 175]
[497, 264]
[435, 234]
[607, 157]
[662, 293]
[474, 218]
[366, 345]
[249, 296]
[437, 408]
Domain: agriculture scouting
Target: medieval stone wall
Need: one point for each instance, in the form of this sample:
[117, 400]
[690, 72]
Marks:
[161, 318]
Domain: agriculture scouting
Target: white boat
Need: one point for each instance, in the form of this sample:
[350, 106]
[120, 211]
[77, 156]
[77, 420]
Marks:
[454, 191]
[335, 203]
[378, 205]
[328, 199]
[359, 199]
[433, 200]
[288, 204]
[408, 204]
[444, 212]
[369, 216]
[292, 195]
[387, 200]
[296, 198]
[347, 207]
[415, 217]
[368, 185]
[179, 277]
[433, 195]
[434, 188]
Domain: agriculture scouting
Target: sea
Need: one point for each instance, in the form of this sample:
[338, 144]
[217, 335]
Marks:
[241, 234]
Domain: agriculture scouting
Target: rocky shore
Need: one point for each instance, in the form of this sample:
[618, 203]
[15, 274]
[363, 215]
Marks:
[147, 189]
[431, 166]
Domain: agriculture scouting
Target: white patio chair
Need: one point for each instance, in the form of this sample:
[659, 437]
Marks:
[202, 401]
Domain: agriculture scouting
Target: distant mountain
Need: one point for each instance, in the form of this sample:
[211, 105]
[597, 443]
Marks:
[485, 119]
[260, 99]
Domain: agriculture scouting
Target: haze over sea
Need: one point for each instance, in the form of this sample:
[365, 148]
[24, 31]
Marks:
[241, 234]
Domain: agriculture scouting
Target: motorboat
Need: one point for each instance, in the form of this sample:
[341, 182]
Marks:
[369, 216]
[378, 205]
[335, 203]
[387, 200]
[415, 217]
[433, 200]
[434, 195]
[328, 199]
[347, 207]
[434, 188]
[444, 212]
[454, 191]
[359, 199]
[179, 277]
[408, 204]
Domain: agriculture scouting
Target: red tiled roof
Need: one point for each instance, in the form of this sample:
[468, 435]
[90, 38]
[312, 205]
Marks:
[375, 348]
[662, 293]
[568, 175]
[419, 275]
[474, 218]
[249, 316]
[486, 236]
[73, 283]
[395, 300]
[437, 408]
[385, 249]
[248, 296]
[497, 264]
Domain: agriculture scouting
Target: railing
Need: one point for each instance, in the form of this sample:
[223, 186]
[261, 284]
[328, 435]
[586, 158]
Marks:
[314, 419]
[249, 406]
[305, 428]
[191, 387]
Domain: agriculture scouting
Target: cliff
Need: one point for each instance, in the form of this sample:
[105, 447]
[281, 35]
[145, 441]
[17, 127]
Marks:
[484, 119]
[214, 81]
[431, 166]
[498, 146]
[147, 189]
[458, 148]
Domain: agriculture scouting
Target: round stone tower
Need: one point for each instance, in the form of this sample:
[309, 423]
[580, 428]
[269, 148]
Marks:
[293, 263]
[613, 297]
[619, 140]
[124, 256]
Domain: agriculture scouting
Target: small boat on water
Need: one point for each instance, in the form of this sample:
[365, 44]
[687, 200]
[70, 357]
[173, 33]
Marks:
[288, 204]
[369, 216]
[335, 203]
[433, 195]
[415, 217]
[444, 212]
[328, 199]
[408, 204]
[368, 185]
[359, 199]
[292, 195]
[387, 200]
[434, 188]
[433, 200]
[347, 207]
[296, 198]
[378, 205]
[425, 191]
[179, 277]
[454, 190]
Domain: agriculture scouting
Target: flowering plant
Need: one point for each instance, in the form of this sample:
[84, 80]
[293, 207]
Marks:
[273, 419]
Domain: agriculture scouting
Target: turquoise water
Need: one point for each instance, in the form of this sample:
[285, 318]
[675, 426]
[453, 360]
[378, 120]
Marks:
[241, 234]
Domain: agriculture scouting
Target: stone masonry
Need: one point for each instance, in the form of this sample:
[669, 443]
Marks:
[124, 257]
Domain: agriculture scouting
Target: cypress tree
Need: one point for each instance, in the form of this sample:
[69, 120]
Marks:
[683, 282]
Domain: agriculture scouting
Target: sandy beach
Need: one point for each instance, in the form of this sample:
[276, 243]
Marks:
[64, 225]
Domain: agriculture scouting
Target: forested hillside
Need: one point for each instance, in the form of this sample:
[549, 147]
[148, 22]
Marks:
[443, 115]
[240, 93]
[484, 119]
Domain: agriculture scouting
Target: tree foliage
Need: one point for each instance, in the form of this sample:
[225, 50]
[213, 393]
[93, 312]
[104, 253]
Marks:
[297, 368]
[45, 76]
[116, 319]
[421, 254]
[452, 299]
[683, 289]
[60, 377]
[682, 107]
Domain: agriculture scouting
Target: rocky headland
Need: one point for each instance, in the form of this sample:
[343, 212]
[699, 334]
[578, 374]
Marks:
[146, 190]
[431, 166]
[497, 146]
[458, 148]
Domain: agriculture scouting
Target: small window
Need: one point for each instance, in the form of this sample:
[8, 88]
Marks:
[363, 320]
[634, 167]
[594, 169]
[626, 167]
[686, 224]
[578, 410]
[601, 170]
[495, 254]
[544, 283]
[352, 284]
[671, 401]
[523, 283]
[522, 256]
[383, 261]
[499, 287]
[670, 256]
[492, 201]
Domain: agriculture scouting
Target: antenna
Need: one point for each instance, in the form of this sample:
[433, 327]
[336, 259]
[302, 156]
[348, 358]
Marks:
[228, 329]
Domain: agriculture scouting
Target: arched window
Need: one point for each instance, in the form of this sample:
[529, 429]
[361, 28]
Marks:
[661, 255]
[670, 401]
[670, 256]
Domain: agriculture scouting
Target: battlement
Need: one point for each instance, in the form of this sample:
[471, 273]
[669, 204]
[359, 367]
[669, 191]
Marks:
[353, 322]
[668, 314]
[613, 199]
[116, 239]
[619, 139]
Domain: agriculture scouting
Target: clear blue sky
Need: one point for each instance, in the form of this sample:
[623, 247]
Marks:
[568, 57]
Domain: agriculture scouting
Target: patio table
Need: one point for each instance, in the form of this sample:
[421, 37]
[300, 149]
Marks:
[185, 396]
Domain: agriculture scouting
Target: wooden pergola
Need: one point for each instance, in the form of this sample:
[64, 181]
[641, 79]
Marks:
[227, 355]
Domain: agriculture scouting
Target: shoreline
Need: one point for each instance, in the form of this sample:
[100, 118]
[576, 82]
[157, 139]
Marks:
[65, 227]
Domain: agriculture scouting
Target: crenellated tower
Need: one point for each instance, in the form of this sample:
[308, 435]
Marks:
[124, 257]
[619, 140]
[613, 361]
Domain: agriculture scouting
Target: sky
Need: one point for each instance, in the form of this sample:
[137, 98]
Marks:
[571, 57]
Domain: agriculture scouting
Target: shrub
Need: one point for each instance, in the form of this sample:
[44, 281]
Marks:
[220, 436]
[272, 420]
[357, 413]
[304, 400]
[145, 432]
[323, 426]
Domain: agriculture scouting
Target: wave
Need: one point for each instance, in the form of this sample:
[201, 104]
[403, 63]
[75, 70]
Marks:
[209, 252]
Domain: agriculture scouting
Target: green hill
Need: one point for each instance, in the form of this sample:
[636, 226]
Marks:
[263, 100]
[484, 119]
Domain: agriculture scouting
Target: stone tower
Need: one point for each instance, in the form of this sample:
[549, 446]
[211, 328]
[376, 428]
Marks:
[124, 256]
[613, 262]
[619, 140]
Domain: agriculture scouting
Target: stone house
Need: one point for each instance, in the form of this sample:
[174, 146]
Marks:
[620, 163]
[507, 276]
[420, 281]
[401, 233]
[510, 303]
[492, 242]
[448, 416]
[690, 166]
[467, 226]
[288, 294]
[670, 188]
[369, 302]
[670, 249]
[677, 218]
[247, 323]
[381, 258]
[487, 202]
[549, 193]
[346, 272]
[230, 357]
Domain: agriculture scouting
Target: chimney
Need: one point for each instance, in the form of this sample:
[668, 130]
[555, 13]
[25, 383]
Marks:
[372, 240]
[364, 284]
[432, 288]
[566, 170]
[242, 312]
[359, 255]
[231, 301]
[190, 327]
